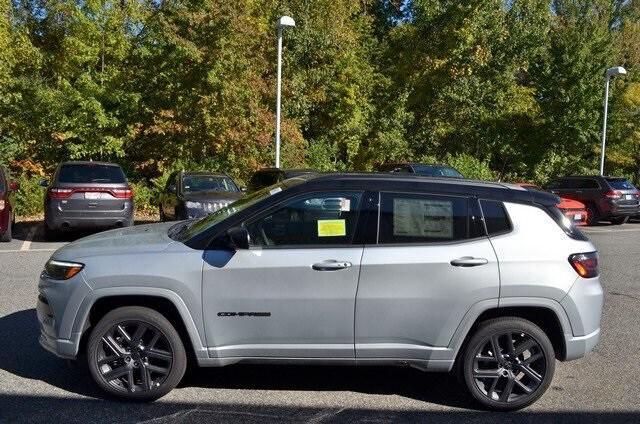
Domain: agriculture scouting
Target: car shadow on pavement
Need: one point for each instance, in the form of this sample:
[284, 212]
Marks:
[34, 230]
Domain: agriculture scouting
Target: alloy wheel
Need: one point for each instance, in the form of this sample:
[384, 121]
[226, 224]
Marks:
[509, 367]
[134, 356]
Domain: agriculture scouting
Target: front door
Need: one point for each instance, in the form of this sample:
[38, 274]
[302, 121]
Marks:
[292, 294]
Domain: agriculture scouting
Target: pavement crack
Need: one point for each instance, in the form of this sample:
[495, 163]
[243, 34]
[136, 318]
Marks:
[629, 296]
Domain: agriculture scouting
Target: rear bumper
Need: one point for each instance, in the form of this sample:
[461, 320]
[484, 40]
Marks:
[579, 346]
[57, 219]
[614, 210]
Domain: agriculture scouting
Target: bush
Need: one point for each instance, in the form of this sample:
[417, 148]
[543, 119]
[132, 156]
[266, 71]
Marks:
[470, 167]
[30, 197]
[144, 197]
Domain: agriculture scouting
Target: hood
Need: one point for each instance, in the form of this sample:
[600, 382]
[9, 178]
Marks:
[570, 204]
[210, 196]
[142, 238]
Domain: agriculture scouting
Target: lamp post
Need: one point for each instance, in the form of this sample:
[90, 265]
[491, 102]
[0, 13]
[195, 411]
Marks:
[611, 72]
[283, 22]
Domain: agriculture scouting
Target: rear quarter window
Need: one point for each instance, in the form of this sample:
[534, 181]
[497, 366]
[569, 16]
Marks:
[89, 173]
[620, 184]
[495, 217]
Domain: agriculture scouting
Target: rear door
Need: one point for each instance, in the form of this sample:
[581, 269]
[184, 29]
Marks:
[432, 263]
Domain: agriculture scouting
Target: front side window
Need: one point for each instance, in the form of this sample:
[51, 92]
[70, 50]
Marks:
[326, 218]
[495, 217]
[422, 218]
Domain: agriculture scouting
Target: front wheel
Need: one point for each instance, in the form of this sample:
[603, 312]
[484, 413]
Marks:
[135, 353]
[508, 364]
[619, 220]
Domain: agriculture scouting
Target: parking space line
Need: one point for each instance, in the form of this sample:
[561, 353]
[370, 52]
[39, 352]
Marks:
[26, 245]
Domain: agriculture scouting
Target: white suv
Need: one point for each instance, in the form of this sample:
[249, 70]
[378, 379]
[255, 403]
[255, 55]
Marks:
[355, 269]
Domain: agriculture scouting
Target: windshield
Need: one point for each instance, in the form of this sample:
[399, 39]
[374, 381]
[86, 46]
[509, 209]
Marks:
[436, 171]
[91, 173]
[197, 183]
[185, 230]
[620, 184]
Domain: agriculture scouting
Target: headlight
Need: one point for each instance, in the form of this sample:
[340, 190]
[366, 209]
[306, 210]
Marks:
[193, 205]
[61, 270]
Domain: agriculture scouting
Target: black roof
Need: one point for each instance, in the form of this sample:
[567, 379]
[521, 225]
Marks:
[88, 162]
[212, 174]
[412, 182]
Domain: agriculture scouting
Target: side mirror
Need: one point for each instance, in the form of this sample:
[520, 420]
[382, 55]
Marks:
[238, 238]
[14, 186]
[43, 183]
[172, 189]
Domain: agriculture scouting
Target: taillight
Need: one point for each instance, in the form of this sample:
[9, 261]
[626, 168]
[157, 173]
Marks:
[60, 193]
[122, 193]
[585, 264]
[613, 194]
[1, 205]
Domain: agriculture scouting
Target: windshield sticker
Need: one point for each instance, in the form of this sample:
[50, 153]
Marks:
[423, 218]
[332, 228]
[275, 190]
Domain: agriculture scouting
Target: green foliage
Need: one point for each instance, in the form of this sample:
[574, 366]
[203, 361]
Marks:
[508, 90]
[30, 197]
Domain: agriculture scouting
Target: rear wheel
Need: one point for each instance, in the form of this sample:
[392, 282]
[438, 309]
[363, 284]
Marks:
[49, 234]
[135, 353]
[619, 220]
[508, 364]
[592, 215]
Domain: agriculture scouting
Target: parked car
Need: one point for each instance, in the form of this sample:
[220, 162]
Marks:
[575, 211]
[190, 195]
[269, 176]
[87, 195]
[275, 278]
[611, 199]
[8, 189]
[427, 170]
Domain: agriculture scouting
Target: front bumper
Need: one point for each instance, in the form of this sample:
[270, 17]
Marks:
[578, 346]
[57, 306]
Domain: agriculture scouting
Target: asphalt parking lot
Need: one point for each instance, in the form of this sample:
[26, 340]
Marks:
[37, 387]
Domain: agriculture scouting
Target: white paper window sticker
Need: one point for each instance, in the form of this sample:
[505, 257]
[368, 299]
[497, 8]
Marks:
[345, 205]
[423, 218]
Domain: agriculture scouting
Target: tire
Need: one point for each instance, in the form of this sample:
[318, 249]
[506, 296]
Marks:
[161, 213]
[619, 220]
[532, 367]
[119, 365]
[593, 217]
[7, 236]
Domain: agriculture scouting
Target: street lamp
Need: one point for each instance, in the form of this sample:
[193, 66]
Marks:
[283, 22]
[611, 72]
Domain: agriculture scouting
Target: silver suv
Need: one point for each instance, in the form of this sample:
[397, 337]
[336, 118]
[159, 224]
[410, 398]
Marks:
[486, 279]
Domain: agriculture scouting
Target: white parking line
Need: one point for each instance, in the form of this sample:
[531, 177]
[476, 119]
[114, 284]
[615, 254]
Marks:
[26, 245]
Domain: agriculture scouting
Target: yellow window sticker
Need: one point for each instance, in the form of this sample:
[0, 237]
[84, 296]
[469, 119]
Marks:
[332, 228]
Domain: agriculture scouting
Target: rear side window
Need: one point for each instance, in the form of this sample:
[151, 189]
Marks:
[421, 218]
[89, 173]
[588, 183]
[495, 217]
[620, 184]
[562, 183]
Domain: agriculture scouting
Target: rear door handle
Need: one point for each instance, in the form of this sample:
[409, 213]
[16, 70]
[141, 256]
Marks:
[331, 265]
[467, 261]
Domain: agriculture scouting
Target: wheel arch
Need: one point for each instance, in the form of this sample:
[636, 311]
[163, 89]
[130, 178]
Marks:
[163, 301]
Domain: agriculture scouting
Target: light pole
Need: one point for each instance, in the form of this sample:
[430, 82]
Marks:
[283, 22]
[611, 72]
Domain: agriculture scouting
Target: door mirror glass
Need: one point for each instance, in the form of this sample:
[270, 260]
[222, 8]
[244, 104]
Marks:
[43, 183]
[14, 186]
[238, 238]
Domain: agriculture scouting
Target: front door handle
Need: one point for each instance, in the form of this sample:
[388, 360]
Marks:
[467, 261]
[331, 265]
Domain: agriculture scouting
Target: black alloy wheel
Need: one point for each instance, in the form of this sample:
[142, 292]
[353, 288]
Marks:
[509, 366]
[136, 353]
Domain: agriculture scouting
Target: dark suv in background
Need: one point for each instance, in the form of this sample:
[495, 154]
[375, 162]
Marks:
[87, 195]
[426, 170]
[190, 195]
[7, 204]
[611, 199]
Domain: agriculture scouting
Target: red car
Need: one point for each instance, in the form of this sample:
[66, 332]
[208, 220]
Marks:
[576, 211]
[7, 203]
